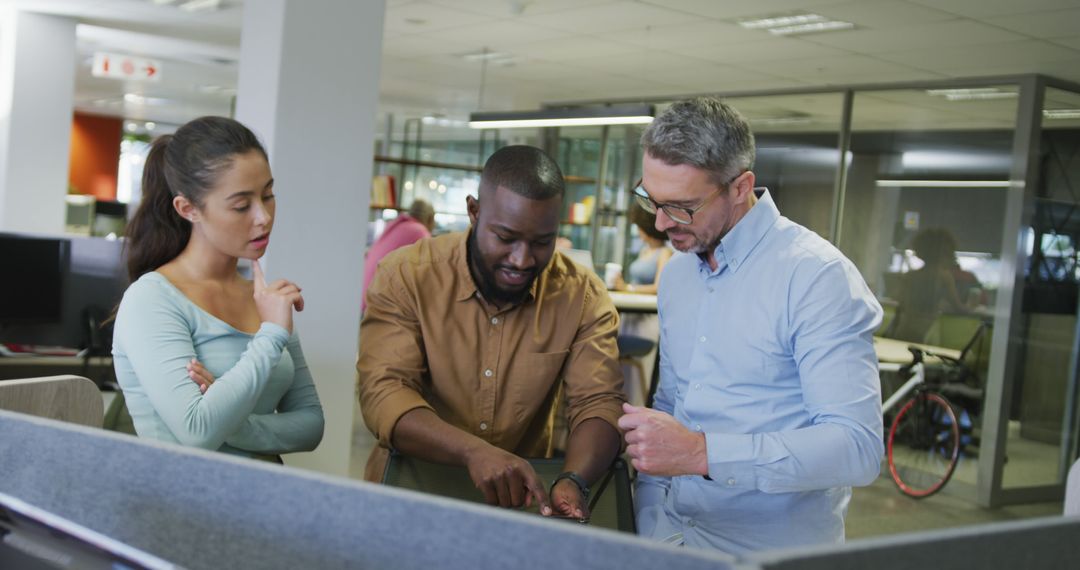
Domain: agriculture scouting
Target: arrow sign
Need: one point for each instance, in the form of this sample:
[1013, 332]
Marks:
[117, 66]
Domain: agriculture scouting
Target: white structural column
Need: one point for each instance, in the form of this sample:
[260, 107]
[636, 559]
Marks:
[37, 89]
[308, 86]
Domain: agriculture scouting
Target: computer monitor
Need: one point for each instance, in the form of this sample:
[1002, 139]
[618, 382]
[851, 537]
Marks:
[35, 539]
[32, 290]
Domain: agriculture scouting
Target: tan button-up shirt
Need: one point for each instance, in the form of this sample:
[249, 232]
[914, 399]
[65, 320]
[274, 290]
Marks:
[429, 340]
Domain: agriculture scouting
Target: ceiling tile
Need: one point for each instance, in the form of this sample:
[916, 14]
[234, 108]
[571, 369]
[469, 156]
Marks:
[765, 50]
[570, 48]
[420, 45]
[1042, 25]
[989, 8]
[830, 67]
[501, 35]
[516, 8]
[882, 15]
[687, 34]
[958, 58]
[613, 17]
[422, 17]
[639, 63]
[733, 10]
[940, 35]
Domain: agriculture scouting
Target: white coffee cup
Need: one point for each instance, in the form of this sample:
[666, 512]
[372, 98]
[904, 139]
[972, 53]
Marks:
[612, 271]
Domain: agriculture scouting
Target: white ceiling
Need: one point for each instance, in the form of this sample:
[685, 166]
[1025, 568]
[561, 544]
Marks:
[566, 50]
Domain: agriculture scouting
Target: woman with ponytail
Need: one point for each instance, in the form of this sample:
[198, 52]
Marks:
[205, 357]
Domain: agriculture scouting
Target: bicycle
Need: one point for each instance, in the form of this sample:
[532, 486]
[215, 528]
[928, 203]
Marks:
[929, 432]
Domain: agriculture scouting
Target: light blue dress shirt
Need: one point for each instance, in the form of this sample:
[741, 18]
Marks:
[771, 357]
[263, 400]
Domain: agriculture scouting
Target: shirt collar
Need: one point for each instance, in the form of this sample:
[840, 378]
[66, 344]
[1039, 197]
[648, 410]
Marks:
[736, 246]
[467, 287]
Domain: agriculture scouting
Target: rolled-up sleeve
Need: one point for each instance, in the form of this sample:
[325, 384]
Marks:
[592, 373]
[391, 365]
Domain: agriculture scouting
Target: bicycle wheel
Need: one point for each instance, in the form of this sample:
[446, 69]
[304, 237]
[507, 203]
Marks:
[924, 445]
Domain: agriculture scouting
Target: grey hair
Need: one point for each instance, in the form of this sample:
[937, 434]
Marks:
[705, 133]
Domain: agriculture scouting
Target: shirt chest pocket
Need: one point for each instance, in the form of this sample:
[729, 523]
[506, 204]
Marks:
[533, 380]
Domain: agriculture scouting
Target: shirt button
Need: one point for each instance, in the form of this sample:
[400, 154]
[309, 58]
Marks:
[698, 427]
[697, 386]
[494, 320]
[731, 481]
[702, 339]
[691, 523]
[488, 373]
[483, 426]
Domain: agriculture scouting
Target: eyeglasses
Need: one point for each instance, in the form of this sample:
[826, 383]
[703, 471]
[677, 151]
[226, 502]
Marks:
[678, 214]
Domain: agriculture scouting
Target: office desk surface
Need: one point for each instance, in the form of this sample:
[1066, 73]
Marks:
[633, 302]
[894, 351]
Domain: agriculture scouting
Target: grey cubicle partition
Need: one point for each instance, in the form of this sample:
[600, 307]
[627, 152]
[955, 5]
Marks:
[207, 510]
[1052, 542]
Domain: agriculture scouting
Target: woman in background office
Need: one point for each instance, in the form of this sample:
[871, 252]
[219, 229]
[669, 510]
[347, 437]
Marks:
[655, 252]
[638, 333]
[205, 357]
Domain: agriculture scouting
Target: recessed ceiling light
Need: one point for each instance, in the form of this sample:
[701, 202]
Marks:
[780, 21]
[830, 26]
[789, 24]
[415, 21]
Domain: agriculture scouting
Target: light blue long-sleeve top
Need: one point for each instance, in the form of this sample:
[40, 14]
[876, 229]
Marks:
[263, 400]
[771, 356]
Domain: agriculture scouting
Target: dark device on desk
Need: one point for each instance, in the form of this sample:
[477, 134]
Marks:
[613, 506]
[60, 290]
[34, 539]
[32, 290]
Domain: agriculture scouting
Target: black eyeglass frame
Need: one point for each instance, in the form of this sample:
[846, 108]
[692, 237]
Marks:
[652, 206]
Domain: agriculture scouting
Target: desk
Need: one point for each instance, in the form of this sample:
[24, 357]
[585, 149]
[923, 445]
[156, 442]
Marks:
[96, 368]
[895, 352]
[633, 302]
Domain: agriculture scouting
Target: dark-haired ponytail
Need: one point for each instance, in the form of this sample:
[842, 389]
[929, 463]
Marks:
[156, 234]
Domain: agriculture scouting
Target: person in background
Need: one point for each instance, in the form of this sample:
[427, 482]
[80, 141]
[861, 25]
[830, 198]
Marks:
[406, 229]
[205, 357]
[655, 253]
[769, 403]
[939, 286]
[474, 341]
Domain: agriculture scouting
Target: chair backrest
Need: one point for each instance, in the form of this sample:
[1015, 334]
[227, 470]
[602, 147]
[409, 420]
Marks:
[67, 398]
[1072, 491]
[970, 334]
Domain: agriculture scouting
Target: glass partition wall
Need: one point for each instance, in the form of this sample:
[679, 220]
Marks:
[975, 181]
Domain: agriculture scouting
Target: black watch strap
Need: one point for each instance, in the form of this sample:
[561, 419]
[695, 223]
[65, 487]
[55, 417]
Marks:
[582, 485]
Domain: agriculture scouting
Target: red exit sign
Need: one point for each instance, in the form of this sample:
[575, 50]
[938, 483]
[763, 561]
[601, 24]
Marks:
[117, 66]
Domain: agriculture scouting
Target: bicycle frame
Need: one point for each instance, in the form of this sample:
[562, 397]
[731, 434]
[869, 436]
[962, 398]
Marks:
[918, 376]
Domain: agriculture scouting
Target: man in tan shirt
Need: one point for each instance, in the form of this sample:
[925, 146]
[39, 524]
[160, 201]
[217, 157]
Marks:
[471, 340]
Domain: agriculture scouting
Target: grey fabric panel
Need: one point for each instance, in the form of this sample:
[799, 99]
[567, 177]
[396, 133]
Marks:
[208, 510]
[1052, 542]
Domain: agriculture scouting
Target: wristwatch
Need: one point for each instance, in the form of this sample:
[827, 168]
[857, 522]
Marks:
[581, 484]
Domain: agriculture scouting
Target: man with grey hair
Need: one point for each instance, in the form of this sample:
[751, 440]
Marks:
[769, 404]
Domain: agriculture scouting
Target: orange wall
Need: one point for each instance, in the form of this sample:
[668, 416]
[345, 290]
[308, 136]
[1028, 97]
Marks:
[95, 155]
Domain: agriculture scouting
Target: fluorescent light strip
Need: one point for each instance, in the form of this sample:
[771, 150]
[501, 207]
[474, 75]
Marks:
[972, 94]
[567, 122]
[1061, 113]
[943, 183]
[831, 25]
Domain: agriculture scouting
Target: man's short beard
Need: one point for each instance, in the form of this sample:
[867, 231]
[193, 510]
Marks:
[486, 282]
